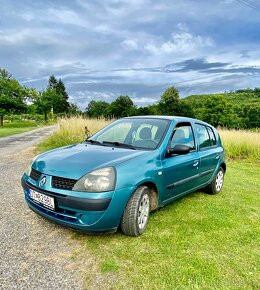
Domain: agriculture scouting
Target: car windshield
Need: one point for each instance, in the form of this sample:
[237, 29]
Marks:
[132, 133]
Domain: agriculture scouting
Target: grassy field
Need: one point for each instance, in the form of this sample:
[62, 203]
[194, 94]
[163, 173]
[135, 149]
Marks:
[72, 130]
[198, 242]
[16, 127]
[241, 144]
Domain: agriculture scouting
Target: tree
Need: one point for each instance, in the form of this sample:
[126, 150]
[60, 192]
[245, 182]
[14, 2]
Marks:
[97, 109]
[251, 115]
[74, 109]
[123, 106]
[46, 100]
[4, 74]
[170, 104]
[12, 95]
[218, 112]
[61, 105]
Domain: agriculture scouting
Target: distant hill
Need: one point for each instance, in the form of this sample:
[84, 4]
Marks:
[237, 98]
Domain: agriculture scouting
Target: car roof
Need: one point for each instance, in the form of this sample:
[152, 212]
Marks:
[171, 118]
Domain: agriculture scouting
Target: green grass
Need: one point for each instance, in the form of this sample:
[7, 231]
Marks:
[198, 242]
[16, 127]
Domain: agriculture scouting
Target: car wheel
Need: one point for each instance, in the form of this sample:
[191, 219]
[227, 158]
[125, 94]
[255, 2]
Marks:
[217, 182]
[136, 213]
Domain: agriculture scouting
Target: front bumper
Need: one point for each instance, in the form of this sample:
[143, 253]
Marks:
[103, 212]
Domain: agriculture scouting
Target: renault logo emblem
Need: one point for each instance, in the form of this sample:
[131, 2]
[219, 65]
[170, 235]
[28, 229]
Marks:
[43, 181]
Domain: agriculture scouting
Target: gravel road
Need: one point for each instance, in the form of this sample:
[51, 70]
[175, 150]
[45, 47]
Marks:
[34, 253]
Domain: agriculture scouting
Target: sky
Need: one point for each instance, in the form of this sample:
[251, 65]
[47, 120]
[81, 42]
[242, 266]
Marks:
[103, 49]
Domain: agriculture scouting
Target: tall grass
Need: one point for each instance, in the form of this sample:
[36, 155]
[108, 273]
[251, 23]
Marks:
[72, 130]
[239, 144]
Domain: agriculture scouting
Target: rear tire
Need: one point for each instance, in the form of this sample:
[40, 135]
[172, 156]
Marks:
[217, 183]
[136, 213]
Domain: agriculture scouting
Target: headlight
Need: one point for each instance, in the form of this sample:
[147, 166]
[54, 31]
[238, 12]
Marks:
[99, 180]
[29, 168]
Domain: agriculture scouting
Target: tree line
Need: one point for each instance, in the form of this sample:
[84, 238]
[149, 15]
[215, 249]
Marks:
[18, 99]
[224, 110]
[239, 109]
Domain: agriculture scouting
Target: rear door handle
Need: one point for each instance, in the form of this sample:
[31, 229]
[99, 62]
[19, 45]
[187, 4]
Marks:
[217, 156]
[195, 163]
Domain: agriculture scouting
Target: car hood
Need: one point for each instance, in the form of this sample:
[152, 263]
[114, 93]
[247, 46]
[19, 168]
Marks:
[76, 160]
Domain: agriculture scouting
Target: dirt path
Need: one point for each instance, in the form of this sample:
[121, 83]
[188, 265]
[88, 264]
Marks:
[34, 253]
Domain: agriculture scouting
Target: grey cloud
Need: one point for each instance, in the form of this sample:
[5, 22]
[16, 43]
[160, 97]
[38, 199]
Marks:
[193, 65]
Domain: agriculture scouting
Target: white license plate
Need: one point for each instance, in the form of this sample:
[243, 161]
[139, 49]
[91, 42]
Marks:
[43, 199]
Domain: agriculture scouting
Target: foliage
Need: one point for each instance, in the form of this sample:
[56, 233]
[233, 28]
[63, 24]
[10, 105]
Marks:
[251, 115]
[60, 101]
[73, 109]
[217, 111]
[241, 108]
[12, 95]
[96, 109]
[53, 98]
[170, 104]
[72, 130]
[123, 106]
[15, 127]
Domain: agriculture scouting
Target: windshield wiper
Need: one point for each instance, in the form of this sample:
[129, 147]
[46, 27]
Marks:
[118, 144]
[93, 142]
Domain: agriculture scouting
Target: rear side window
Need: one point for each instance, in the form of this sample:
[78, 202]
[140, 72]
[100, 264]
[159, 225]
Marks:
[203, 136]
[212, 136]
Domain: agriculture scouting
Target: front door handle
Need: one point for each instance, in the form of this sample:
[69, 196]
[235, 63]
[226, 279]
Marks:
[195, 163]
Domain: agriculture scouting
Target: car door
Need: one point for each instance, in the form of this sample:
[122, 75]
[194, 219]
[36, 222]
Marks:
[180, 171]
[209, 152]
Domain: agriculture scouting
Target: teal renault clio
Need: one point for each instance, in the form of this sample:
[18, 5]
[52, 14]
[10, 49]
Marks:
[119, 175]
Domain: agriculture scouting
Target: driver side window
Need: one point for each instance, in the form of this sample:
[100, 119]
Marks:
[183, 135]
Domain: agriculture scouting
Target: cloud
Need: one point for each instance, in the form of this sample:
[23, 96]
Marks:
[180, 43]
[102, 49]
[194, 64]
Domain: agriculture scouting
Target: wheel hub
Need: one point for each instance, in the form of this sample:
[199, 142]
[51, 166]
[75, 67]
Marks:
[219, 180]
[143, 211]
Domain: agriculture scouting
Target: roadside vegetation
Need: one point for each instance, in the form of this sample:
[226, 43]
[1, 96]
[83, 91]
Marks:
[16, 127]
[72, 130]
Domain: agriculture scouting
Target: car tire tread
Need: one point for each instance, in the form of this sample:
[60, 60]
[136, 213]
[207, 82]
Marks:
[211, 188]
[129, 224]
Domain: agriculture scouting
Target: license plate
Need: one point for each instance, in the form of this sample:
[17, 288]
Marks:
[43, 199]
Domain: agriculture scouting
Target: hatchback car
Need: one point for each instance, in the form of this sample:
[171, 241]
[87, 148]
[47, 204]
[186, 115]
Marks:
[123, 172]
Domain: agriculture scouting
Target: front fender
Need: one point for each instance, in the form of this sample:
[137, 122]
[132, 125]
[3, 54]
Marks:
[146, 168]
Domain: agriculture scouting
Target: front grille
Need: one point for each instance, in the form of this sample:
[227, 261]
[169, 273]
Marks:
[35, 175]
[62, 183]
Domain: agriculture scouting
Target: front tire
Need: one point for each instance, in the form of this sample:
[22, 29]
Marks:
[217, 182]
[136, 213]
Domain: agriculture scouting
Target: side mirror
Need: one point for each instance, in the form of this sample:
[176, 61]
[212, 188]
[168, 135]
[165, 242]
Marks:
[179, 150]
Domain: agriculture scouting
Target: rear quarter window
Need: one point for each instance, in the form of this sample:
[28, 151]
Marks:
[212, 136]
